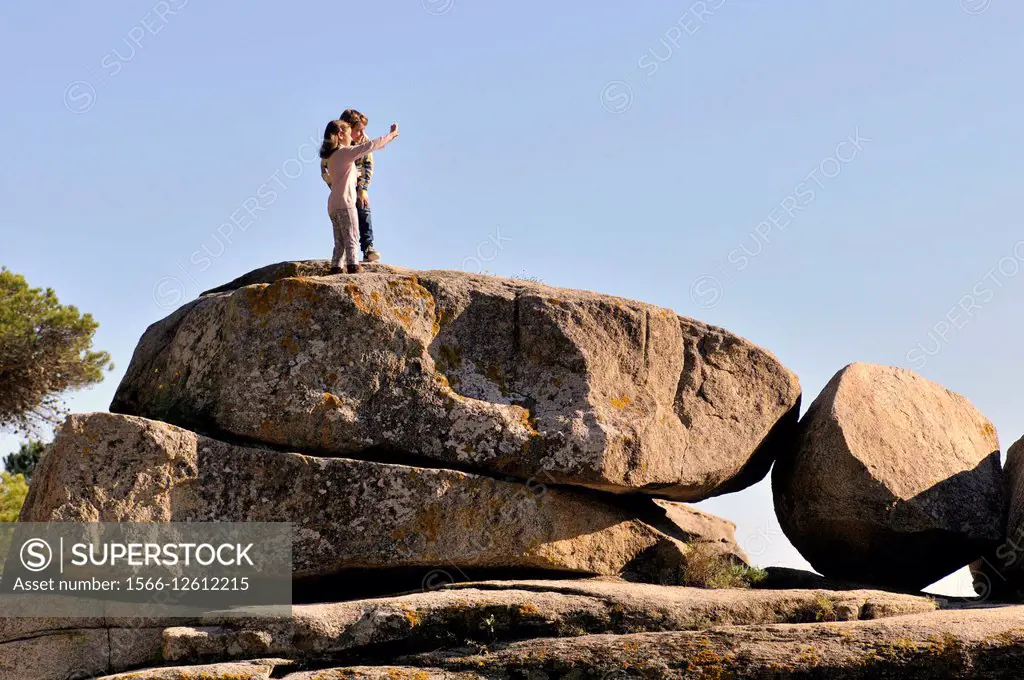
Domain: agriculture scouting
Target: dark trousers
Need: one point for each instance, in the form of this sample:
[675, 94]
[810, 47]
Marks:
[365, 229]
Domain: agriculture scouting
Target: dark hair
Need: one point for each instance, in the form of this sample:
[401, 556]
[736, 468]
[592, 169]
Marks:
[351, 116]
[332, 133]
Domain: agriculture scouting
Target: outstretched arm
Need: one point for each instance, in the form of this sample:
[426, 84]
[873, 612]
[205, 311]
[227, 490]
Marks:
[375, 144]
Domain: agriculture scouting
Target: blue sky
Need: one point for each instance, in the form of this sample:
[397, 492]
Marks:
[829, 180]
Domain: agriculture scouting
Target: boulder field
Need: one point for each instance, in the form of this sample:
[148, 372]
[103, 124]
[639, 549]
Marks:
[488, 478]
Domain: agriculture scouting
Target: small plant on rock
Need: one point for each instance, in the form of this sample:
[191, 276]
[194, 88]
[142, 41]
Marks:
[707, 567]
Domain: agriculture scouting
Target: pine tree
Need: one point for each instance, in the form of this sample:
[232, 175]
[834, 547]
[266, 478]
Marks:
[45, 350]
[25, 460]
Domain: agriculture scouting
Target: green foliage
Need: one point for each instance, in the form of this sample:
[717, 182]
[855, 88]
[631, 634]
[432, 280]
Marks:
[751, 575]
[26, 459]
[824, 609]
[708, 568]
[45, 350]
[13, 489]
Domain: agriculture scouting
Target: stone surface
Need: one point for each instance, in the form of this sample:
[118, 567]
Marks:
[471, 372]
[353, 514]
[251, 670]
[384, 673]
[952, 644]
[79, 647]
[370, 630]
[948, 644]
[377, 630]
[1000, 573]
[56, 655]
[896, 481]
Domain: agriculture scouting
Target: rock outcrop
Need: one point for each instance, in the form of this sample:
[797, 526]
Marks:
[896, 481]
[948, 644]
[507, 635]
[353, 514]
[483, 478]
[367, 633]
[469, 372]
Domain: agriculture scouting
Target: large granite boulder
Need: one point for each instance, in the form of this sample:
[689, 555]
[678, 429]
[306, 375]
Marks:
[469, 372]
[354, 514]
[1000, 573]
[896, 481]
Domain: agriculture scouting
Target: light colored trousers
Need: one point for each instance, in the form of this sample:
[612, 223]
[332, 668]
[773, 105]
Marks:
[346, 236]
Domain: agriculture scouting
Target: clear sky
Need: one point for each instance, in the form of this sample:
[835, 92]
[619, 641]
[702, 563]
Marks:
[829, 180]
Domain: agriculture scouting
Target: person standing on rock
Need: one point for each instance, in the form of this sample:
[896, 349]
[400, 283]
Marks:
[358, 123]
[341, 159]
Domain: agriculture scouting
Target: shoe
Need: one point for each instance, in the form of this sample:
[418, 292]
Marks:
[353, 269]
[335, 271]
[371, 255]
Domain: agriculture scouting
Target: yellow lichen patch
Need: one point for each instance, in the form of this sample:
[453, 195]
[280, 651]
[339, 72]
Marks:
[904, 649]
[412, 616]
[526, 418]
[259, 303]
[1007, 636]
[454, 396]
[621, 402]
[988, 431]
[528, 609]
[427, 525]
[412, 286]
[809, 656]
[331, 401]
[357, 297]
[403, 674]
[262, 299]
[709, 661]
[408, 299]
[404, 314]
